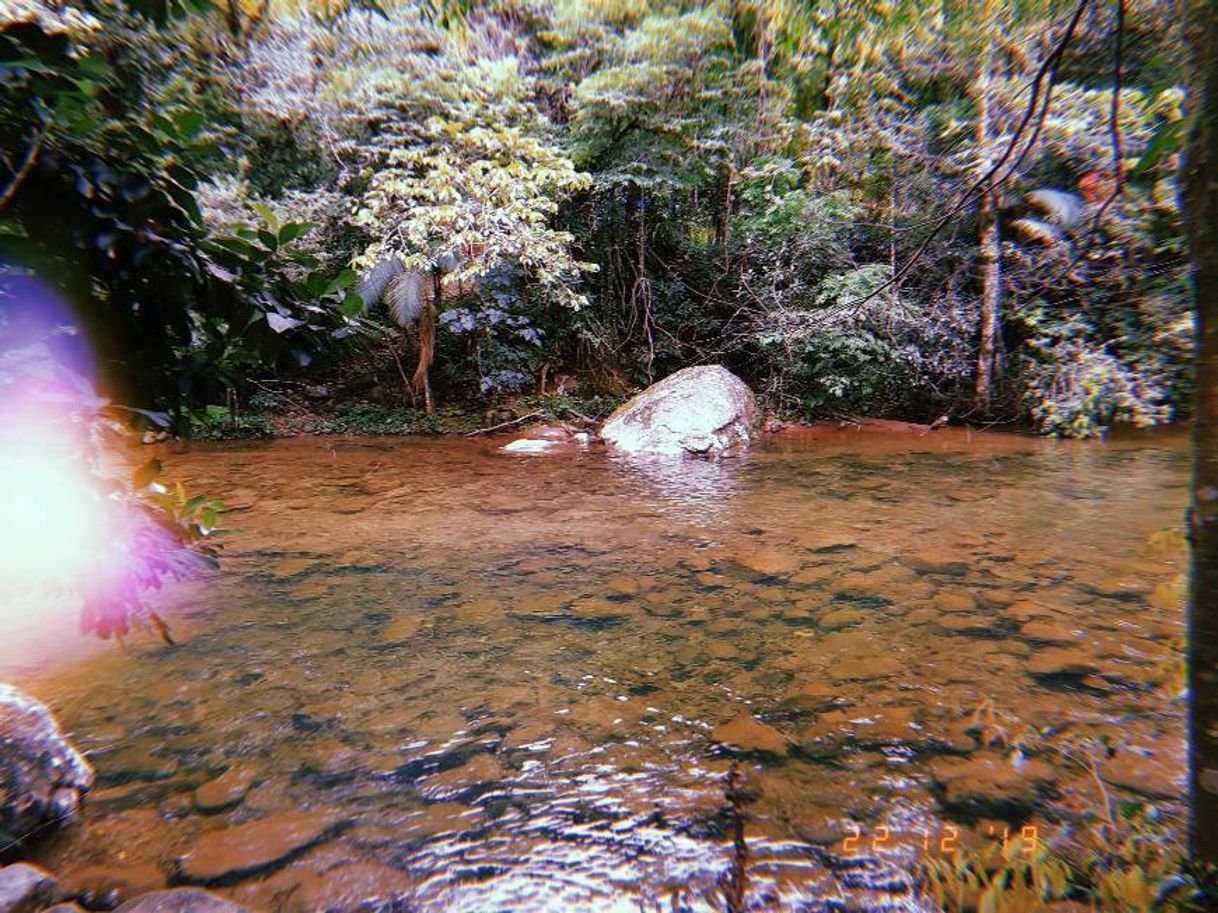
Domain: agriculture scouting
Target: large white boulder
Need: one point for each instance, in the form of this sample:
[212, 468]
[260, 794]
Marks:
[706, 409]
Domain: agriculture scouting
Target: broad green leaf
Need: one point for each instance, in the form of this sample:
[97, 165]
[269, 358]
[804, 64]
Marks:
[293, 230]
[187, 122]
[237, 246]
[269, 239]
[342, 281]
[1165, 142]
[266, 214]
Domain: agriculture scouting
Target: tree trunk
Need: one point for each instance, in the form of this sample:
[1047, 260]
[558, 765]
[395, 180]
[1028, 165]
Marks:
[990, 257]
[427, 339]
[989, 252]
[1200, 205]
[723, 229]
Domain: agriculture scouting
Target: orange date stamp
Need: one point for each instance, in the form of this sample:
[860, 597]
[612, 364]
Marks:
[942, 841]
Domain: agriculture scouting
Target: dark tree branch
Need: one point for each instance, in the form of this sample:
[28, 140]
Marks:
[980, 186]
[620, 134]
[1114, 124]
[1114, 133]
[23, 170]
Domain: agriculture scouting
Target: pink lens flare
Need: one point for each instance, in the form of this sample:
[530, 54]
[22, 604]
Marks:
[65, 534]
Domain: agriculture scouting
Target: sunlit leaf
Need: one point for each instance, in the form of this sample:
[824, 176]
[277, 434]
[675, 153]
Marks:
[143, 475]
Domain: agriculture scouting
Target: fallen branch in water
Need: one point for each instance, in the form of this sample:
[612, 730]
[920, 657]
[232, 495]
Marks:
[938, 423]
[579, 415]
[502, 425]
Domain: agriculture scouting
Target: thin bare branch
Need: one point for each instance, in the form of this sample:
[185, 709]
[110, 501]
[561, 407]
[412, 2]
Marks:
[979, 186]
[1114, 134]
[502, 425]
[31, 156]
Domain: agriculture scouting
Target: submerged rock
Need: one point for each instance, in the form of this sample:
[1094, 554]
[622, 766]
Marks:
[25, 889]
[864, 669]
[944, 563]
[354, 887]
[1049, 632]
[180, 900]
[102, 887]
[748, 734]
[1151, 773]
[842, 618]
[1062, 661]
[403, 627]
[225, 791]
[230, 853]
[769, 562]
[993, 787]
[705, 409]
[42, 777]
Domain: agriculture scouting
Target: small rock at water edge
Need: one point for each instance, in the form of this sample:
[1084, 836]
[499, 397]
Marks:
[180, 900]
[527, 445]
[26, 889]
[225, 791]
[44, 776]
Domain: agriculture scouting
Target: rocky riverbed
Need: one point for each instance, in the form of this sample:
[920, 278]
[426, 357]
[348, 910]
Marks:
[442, 677]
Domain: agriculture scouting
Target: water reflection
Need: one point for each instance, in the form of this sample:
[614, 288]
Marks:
[695, 490]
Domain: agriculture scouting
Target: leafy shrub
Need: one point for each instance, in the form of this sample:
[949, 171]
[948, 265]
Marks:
[368, 418]
[841, 356]
[497, 336]
[1082, 370]
[220, 423]
[1078, 389]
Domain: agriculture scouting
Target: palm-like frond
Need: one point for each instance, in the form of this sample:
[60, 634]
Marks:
[406, 294]
[1058, 206]
[1037, 230]
[373, 283]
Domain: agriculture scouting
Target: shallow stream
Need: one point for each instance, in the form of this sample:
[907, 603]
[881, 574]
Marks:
[496, 679]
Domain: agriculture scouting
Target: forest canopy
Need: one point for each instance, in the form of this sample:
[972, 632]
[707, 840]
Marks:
[894, 208]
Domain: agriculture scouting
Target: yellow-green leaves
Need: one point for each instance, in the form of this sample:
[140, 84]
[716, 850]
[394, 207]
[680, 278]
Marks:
[475, 183]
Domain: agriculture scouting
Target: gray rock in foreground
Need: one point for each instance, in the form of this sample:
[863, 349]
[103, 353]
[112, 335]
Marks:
[42, 777]
[180, 900]
[701, 410]
[25, 889]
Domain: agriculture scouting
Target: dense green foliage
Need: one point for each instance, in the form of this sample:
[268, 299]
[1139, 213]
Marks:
[631, 186]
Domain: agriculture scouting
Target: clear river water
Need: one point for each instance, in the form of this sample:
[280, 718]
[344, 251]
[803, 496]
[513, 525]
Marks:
[456, 679]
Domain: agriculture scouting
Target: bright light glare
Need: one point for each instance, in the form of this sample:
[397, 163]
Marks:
[52, 529]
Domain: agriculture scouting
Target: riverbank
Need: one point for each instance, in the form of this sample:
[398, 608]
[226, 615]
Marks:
[294, 417]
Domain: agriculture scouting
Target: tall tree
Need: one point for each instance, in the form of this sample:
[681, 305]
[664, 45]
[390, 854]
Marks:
[989, 238]
[1200, 203]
